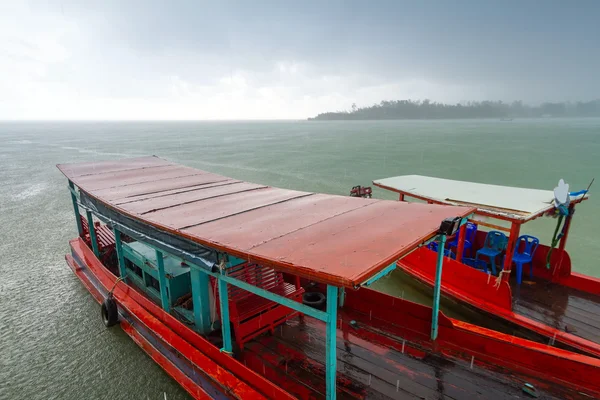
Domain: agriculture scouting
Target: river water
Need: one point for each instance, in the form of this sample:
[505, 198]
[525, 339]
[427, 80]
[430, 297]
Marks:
[53, 344]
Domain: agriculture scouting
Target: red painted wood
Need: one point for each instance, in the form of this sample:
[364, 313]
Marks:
[530, 361]
[579, 281]
[102, 167]
[148, 196]
[460, 246]
[168, 327]
[465, 340]
[510, 249]
[202, 193]
[194, 390]
[479, 290]
[250, 229]
[458, 280]
[329, 239]
[124, 192]
[136, 176]
[190, 386]
[250, 314]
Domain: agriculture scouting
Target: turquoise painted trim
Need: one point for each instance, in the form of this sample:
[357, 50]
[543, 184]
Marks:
[330, 343]
[92, 233]
[76, 208]
[162, 280]
[466, 219]
[120, 257]
[225, 326]
[284, 301]
[384, 272]
[201, 300]
[233, 261]
[134, 256]
[437, 288]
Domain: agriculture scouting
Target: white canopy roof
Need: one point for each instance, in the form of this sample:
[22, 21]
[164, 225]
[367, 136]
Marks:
[509, 202]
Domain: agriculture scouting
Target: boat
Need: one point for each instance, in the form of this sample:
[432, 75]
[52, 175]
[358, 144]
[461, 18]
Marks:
[555, 304]
[246, 291]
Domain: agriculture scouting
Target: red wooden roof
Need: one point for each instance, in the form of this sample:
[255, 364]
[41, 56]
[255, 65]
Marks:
[336, 240]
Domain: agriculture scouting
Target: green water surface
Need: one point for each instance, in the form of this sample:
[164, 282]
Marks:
[53, 344]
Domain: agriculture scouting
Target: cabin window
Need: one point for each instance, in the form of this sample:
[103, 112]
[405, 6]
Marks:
[151, 282]
[136, 270]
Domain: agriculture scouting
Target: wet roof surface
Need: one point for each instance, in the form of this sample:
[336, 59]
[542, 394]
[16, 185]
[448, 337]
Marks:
[512, 202]
[332, 239]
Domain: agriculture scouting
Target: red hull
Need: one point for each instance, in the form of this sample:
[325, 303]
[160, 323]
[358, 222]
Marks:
[486, 293]
[561, 373]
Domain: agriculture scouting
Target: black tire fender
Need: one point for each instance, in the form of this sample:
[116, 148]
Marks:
[109, 312]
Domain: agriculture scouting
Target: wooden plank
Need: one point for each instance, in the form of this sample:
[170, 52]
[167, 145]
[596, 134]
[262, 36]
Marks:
[559, 307]
[123, 192]
[202, 193]
[100, 167]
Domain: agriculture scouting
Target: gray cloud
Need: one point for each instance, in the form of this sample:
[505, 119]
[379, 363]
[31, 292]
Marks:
[189, 59]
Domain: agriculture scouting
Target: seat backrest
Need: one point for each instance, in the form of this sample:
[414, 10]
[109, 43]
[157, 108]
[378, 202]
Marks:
[528, 244]
[471, 232]
[256, 275]
[495, 240]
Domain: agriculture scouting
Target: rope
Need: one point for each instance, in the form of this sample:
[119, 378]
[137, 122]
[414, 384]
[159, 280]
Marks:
[499, 278]
[121, 279]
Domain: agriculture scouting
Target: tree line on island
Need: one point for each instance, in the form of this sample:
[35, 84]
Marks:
[426, 109]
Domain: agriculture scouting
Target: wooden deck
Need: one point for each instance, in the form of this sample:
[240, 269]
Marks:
[372, 365]
[569, 310]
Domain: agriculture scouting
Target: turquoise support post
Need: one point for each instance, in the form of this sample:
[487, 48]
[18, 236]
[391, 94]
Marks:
[201, 300]
[162, 280]
[437, 288]
[92, 229]
[76, 209]
[330, 343]
[120, 257]
[225, 327]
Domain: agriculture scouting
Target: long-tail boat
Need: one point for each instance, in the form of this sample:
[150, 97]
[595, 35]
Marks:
[245, 291]
[539, 291]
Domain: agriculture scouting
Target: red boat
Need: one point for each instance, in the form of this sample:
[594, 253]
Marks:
[558, 306]
[240, 290]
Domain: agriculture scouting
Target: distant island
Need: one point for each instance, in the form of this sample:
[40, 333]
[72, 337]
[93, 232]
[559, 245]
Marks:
[426, 109]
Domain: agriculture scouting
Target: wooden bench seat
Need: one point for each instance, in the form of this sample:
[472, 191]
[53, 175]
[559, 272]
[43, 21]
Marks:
[252, 315]
[104, 235]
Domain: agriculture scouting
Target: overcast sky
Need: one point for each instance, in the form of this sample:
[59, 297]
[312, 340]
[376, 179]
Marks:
[273, 59]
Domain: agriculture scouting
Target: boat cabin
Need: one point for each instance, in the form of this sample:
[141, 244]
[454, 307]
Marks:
[277, 280]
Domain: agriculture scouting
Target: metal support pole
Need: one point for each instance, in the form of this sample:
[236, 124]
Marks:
[330, 344]
[120, 257]
[201, 300]
[437, 288]
[162, 280]
[567, 227]
[510, 249]
[76, 209]
[92, 229]
[342, 297]
[460, 246]
[225, 327]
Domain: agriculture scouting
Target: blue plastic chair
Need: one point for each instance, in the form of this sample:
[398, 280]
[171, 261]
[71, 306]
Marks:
[434, 246]
[525, 255]
[479, 265]
[469, 238]
[495, 244]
